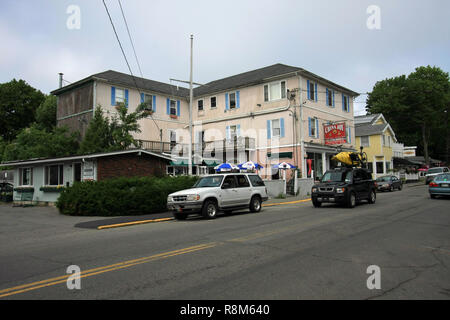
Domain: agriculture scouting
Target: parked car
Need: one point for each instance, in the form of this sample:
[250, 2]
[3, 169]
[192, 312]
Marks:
[6, 191]
[219, 192]
[433, 172]
[440, 186]
[389, 183]
[344, 185]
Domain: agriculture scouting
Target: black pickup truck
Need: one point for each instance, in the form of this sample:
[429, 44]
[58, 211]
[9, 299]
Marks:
[344, 185]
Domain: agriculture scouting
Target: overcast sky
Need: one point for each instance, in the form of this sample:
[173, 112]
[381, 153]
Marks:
[327, 37]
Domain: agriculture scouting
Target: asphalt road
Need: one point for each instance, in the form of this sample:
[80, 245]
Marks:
[284, 252]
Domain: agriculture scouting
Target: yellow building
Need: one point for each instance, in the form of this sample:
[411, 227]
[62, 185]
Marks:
[374, 133]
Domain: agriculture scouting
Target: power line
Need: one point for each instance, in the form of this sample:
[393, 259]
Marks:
[125, 57]
[131, 40]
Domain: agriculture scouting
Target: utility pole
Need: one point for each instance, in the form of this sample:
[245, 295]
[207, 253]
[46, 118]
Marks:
[191, 97]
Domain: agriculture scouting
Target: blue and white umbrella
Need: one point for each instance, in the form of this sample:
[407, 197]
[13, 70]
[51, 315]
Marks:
[250, 165]
[283, 165]
[226, 167]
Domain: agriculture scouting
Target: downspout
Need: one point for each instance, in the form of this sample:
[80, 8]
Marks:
[302, 146]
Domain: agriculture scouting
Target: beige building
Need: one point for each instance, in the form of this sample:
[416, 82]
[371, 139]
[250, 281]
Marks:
[268, 115]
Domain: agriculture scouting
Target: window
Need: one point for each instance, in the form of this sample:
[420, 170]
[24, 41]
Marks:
[313, 131]
[276, 129]
[311, 91]
[345, 103]
[173, 108]
[229, 182]
[173, 138]
[26, 176]
[54, 175]
[242, 181]
[200, 105]
[213, 102]
[256, 181]
[233, 132]
[148, 100]
[365, 141]
[120, 95]
[384, 139]
[275, 91]
[379, 167]
[232, 100]
[330, 98]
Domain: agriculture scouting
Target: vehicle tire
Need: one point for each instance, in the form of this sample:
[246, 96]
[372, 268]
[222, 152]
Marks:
[372, 197]
[180, 215]
[316, 203]
[351, 202]
[433, 196]
[255, 204]
[391, 188]
[209, 209]
[400, 187]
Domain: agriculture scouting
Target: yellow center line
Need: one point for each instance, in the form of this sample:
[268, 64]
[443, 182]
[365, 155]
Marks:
[288, 202]
[96, 271]
[132, 223]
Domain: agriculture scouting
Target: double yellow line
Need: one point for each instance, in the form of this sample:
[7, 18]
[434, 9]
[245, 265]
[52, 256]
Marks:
[92, 272]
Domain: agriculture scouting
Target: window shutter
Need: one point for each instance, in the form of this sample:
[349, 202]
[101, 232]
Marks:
[327, 98]
[126, 98]
[178, 108]
[315, 89]
[237, 100]
[154, 103]
[309, 125]
[308, 89]
[317, 128]
[168, 106]
[113, 96]
[349, 135]
[228, 133]
[333, 98]
[227, 107]
[269, 132]
[282, 127]
[266, 93]
[142, 97]
[238, 130]
[343, 102]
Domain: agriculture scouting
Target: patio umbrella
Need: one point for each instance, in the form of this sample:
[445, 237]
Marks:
[225, 167]
[283, 165]
[250, 165]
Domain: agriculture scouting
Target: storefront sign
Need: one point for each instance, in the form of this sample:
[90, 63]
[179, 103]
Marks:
[335, 133]
[88, 170]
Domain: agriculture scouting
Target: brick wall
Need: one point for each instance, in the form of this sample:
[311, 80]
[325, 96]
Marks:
[129, 165]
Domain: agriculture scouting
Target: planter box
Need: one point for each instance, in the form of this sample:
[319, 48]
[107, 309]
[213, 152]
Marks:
[24, 189]
[51, 188]
[173, 116]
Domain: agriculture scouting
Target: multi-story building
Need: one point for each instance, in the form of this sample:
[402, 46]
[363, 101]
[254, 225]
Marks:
[273, 114]
[377, 138]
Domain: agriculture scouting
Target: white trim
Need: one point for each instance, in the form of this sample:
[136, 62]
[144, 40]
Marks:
[51, 165]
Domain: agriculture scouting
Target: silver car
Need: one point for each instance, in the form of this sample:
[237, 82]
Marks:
[219, 192]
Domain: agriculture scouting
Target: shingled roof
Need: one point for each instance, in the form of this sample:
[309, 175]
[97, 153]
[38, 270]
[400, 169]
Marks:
[248, 78]
[369, 129]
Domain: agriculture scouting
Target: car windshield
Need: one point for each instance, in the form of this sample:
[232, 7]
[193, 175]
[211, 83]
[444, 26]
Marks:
[336, 176]
[213, 181]
[443, 177]
[381, 179]
[434, 170]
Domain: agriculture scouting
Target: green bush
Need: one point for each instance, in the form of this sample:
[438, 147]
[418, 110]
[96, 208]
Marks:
[120, 196]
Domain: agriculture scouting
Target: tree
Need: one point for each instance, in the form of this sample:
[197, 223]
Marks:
[105, 135]
[46, 113]
[18, 104]
[414, 106]
[98, 135]
[35, 142]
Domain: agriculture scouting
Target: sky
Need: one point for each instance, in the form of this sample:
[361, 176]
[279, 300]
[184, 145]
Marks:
[330, 38]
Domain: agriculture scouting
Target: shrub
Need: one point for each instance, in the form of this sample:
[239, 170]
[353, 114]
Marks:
[120, 196]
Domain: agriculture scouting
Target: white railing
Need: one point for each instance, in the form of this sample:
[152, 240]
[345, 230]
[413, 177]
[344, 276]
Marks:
[407, 176]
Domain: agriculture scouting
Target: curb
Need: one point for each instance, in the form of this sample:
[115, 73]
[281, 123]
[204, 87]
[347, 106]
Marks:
[288, 202]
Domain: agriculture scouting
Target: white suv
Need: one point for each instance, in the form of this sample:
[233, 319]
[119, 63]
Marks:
[219, 192]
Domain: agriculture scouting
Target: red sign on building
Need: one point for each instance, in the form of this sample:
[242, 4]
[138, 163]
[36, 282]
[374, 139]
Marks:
[335, 133]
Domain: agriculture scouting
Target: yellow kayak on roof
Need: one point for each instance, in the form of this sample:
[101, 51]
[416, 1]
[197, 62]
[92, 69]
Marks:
[347, 158]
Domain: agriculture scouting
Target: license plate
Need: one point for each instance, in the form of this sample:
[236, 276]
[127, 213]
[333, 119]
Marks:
[444, 185]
